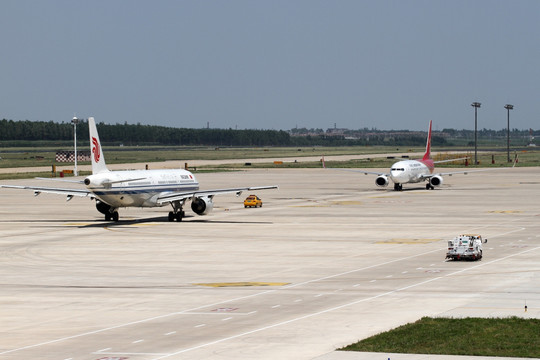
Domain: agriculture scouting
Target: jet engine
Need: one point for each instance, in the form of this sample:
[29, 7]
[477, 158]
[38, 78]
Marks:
[202, 205]
[381, 180]
[102, 207]
[436, 180]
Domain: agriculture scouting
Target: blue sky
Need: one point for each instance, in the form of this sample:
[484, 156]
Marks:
[272, 64]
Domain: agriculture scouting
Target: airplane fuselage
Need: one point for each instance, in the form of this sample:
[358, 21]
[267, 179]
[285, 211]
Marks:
[411, 171]
[139, 188]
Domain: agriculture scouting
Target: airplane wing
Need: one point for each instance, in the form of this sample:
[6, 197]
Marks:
[61, 180]
[70, 193]
[464, 172]
[365, 172]
[449, 160]
[179, 196]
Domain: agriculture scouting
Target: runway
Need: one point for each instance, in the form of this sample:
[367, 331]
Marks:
[329, 259]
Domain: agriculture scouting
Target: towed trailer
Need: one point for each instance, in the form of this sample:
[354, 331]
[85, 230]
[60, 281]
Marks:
[465, 247]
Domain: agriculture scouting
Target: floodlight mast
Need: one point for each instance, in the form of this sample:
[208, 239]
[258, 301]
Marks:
[75, 121]
[476, 105]
[508, 107]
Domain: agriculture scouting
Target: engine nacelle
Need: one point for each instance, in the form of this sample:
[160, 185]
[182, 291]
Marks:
[381, 180]
[102, 207]
[202, 205]
[436, 180]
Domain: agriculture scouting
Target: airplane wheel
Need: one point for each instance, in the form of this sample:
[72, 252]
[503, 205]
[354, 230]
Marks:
[115, 216]
[179, 216]
[171, 216]
[107, 217]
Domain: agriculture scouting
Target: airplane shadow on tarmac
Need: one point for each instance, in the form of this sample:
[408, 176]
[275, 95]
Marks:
[94, 223]
[164, 219]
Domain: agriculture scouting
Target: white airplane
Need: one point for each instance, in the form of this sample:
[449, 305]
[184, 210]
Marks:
[415, 171]
[139, 188]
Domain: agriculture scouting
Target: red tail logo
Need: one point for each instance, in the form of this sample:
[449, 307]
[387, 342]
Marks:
[427, 155]
[95, 149]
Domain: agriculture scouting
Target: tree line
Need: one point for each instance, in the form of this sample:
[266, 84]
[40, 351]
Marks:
[129, 134]
[26, 133]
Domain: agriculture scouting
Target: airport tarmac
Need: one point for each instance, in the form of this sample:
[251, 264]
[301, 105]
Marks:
[329, 259]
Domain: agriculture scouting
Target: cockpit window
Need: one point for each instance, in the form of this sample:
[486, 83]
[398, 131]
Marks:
[397, 169]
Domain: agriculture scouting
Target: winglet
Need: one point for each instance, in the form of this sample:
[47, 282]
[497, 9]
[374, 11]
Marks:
[98, 160]
[427, 155]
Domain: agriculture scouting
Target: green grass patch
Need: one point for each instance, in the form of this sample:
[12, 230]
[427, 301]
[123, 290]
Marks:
[506, 337]
[29, 157]
[485, 160]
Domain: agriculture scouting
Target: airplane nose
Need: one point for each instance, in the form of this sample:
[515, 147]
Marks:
[397, 177]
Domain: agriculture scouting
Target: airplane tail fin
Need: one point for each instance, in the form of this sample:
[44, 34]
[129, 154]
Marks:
[98, 160]
[427, 155]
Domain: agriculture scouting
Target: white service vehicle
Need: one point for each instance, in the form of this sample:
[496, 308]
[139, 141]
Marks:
[465, 247]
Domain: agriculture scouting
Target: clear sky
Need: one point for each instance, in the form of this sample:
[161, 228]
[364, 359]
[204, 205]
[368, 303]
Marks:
[272, 64]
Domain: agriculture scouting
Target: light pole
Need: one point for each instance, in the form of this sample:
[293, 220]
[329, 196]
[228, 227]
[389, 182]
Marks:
[476, 105]
[508, 107]
[75, 121]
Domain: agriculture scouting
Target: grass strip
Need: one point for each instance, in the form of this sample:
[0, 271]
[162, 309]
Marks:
[506, 337]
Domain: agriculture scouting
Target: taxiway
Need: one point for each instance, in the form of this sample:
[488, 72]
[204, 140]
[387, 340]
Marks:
[329, 259]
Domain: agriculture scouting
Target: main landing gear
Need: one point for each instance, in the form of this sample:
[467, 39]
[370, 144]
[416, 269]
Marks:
[112, 216]
[177, 213]
[398, 187]
[107, 210]
[430, 187]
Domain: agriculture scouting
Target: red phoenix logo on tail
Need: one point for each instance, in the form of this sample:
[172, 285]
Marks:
[95, 149]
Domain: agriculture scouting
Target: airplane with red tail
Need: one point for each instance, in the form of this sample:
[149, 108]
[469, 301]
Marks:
[414, 171]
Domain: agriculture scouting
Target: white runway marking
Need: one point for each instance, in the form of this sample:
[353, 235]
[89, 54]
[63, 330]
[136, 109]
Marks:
[170, 333]
[132, 354]
[235, 300]
[340, 306]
